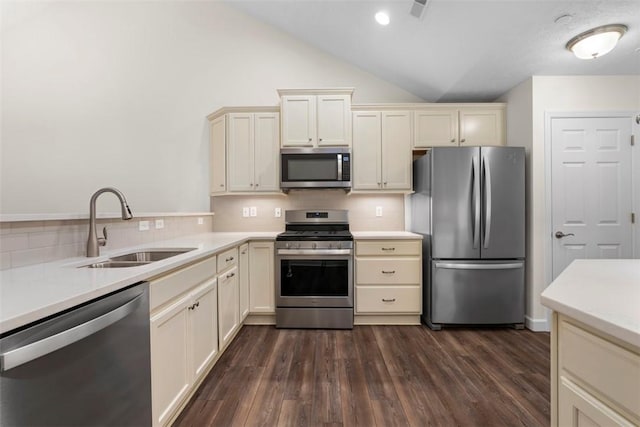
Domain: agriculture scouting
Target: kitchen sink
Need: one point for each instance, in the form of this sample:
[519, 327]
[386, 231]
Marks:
[151, 255]
[117, 264]
[138, 258]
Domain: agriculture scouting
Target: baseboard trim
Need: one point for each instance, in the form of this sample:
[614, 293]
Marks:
[260, 319]
[536, 325]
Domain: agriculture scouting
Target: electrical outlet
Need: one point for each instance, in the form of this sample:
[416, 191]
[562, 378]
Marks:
[143, 225]
[254, 211]
[159, 224]
[245, 212]
[378, 210]
[200, 221]
[277, 212]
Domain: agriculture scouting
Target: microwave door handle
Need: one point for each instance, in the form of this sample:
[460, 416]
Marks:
[339, 166]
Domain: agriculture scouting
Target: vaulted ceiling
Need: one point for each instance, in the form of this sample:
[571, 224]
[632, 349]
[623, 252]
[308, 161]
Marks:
[458, 50]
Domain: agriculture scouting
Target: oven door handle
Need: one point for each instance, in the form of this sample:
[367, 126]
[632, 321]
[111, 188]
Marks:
[318, 252]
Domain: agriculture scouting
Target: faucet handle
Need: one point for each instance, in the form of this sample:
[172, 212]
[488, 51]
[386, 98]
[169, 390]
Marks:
[102, 241]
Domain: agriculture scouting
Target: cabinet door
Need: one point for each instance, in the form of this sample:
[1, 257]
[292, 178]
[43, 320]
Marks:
[581, 409]
[436, 128]
[367, 172]
[217, 156]
[266, 149]
[204, 327]
[243, 272]
[170, 355]
[261, 278]
[482, 126]
[334, 120]
[240, 151]
[396, 150]
[298, 121]
[228, 306]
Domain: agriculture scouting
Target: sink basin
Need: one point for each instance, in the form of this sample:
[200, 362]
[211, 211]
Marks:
[117, 264]
[138, 258]
[151, 255]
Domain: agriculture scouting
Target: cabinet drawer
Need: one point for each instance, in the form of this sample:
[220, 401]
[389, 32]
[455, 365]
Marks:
[386, 271]
[388, 299]
[173, 284]
[605, 367]
[227, 259]
[389, 247]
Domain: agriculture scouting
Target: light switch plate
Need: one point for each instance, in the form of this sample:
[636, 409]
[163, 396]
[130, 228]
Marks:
[245, 212]
[378, 210]
[159, 224]
[254, 211]
[200, 221]
[277, 212]
[143, 225]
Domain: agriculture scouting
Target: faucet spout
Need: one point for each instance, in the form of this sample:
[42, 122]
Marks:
[94, 242]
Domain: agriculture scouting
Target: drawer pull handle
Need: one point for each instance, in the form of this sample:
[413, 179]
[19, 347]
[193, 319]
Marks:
[230, 275]
[228, 259]
[388, 272]
[388, 249]
[388, 300]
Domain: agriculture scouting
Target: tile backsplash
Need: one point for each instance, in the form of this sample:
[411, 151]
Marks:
[32, 242]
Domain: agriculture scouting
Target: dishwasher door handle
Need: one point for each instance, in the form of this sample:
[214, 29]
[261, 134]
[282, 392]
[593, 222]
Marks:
[29, 352]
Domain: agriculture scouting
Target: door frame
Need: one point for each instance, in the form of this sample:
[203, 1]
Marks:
[635, 179]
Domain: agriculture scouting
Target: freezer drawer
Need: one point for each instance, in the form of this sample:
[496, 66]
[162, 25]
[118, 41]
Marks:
[472, 292]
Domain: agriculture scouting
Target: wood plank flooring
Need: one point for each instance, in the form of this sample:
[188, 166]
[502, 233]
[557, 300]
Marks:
[376, 376]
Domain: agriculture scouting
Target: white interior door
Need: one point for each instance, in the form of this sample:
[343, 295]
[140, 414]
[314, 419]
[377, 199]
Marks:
[591, 189]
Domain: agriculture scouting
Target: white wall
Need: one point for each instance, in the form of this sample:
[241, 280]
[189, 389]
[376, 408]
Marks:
[116, 93]
[557, 94]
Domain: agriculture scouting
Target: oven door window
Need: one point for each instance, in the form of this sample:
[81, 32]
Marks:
[314, 278]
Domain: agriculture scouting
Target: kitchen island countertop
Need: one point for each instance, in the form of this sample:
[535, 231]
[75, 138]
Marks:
[603, 294]
[28, 294]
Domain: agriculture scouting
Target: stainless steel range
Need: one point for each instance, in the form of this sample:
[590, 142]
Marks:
[314, 270]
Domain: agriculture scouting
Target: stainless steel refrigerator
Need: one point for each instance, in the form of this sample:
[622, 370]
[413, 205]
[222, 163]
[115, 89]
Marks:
[469, 205]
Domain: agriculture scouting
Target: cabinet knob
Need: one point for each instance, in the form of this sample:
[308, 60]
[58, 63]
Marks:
[221, 185]
[320, 139]
[257, 185]
[453, 140]
[310, 140]
[384, 183]
[463, 140]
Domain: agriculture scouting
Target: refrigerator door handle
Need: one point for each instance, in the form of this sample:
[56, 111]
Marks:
[487, 191]
[476, 202]
[469, 266]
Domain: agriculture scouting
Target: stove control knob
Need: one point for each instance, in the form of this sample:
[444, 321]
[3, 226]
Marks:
[288, 245]
[314, 245]
[339, 245]
[330, 245]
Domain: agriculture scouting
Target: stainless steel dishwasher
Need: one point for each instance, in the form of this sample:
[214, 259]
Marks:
[89, 365]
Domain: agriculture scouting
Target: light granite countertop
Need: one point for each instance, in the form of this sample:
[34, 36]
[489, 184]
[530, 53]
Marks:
[603, 294]
[28, 294]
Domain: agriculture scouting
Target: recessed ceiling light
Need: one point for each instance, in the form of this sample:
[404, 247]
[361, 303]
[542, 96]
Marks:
[597, 41]
[382, 18]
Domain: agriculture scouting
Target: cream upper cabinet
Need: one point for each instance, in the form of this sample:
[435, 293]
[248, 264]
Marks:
[319, 118]
[217, 156]
[453, 126]
[252, 145]
[382, 150]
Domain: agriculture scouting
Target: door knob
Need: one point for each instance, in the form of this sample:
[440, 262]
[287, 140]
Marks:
[560, 234]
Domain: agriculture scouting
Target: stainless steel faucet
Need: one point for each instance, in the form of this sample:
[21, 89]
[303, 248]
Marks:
[94, 242]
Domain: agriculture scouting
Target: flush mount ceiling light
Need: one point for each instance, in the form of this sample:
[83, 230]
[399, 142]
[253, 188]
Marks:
[597, 41]
[382, 18]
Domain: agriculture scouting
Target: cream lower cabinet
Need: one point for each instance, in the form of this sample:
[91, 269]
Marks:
[184, 335]
[243, 273]
[228, 297]
[595, 379]
[477, 125]
[388, 277]
[261, 278]
[382, 150]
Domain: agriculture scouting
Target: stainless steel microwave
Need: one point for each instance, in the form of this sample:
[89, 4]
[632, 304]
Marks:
[315, 168]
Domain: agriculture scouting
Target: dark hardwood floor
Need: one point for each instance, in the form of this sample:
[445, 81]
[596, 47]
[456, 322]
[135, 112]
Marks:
[376, 376]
